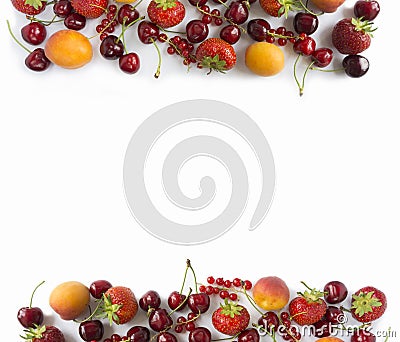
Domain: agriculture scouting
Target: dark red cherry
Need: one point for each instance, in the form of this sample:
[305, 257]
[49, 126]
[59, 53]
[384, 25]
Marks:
[37, 60]
[199, 302]
[304, 46]
[138, 334]
[230, 33]
[148, 32]
[237, 12]
[249, 335]
[129, 63]
[366, 9]
[335, 315]
[200, 334]
[159, 319]
[166, 337]
[258, 29]
[62, 8]
[75, 21]
[150, 300]
[98, 287]
[322, 328]
[127, 14]
[355, 65]
[335, 292]
[30, 316]
[196, 31]
[305, 23]
[111, 47]
[198, 2]
[91, 330]
[175, 300]
[269, 321]
[34, 33]
[322, 57]
[362, 335]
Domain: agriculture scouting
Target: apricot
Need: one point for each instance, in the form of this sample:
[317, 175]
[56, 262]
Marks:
[271, 293]
[264, 59]
[69, 299]
[329, 339]
[69, 49]
[328, 6]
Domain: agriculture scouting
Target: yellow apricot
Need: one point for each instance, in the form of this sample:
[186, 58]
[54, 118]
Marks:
[264, 59]
[68, 49]
[69, 299]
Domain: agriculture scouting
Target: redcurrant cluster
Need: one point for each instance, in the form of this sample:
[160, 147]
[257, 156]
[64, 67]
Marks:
[211, 16]
[179, 46]
[225, 288]
[187, 323]
[117, 338]
[291, 332]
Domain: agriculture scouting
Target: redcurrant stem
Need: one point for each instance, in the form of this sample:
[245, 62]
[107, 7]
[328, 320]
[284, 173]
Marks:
[105, 27]
[33, 293]
[15, 38]
[260, 327]
[221, 17]
[223, 4]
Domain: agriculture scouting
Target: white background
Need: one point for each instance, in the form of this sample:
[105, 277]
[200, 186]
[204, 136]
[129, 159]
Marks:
[63, 135]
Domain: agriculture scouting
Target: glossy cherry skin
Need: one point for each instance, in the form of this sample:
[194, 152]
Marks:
[199, 302]
[166, 337]
[175, 300]
[150, 300]
[304, 46]
[159, 319]
[335, 292]
[366, 9]
[34, 33]
[148, 32]
[196, 31]
[249, 335]
[75, 21]
[37, 60]
[129, 63]
[322, 57]
[30, 316]
[138, 334]
[237, 12]
[269, 321]
[258, 29]
[230, 33]
[127, 14]
[91, 330]
[305, 23]
[355, 65]
[198, 2]
[322, 328]
[62, 8]
[200, 334]
[98, 287]
[362, 335]
[111, 47]
[335, 315]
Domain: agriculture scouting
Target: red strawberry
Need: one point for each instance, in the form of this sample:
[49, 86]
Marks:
[29, 7]
[352, 36]
[277, 8]
[230, 318]
[368, 304]
[90, 8]
[216, 54]
[166, 13]
[119, 305]
[308, 308]
[44, 334]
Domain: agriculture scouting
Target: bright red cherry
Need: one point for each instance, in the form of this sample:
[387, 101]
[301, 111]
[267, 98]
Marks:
[305, 46]
[322, 57]
[34, 33]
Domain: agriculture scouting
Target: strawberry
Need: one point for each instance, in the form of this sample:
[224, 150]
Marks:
[308, 307]
[352, 36]
[230, 318]
[216, 54]
[166, 13]
[44, 334]
[119, 305]
[90, 8]
[368, 304]
[277, 8]
[29, 7]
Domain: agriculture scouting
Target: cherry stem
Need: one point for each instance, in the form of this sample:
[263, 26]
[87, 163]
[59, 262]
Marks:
[33, 293]
[158, 71]
[169, 31]
[307, 10]
[260, 327]
[92, 314]
[388, 334]
[327, 70]
[124, 28]
[184, 277]
[301, 91]
[16, 40]
[252, 302]
[181, 304]
[189, 265]
[44, 22]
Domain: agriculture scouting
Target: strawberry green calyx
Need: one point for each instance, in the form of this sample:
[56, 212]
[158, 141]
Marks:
[365, 302]
[109, 310]
[311, 295]
[35, 332]
[230, 309]
[165, 4]
[362, 25]
[36, 4]
[214, 63]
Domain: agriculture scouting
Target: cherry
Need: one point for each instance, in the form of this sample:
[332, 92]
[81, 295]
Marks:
[200, 334]
[138, 334]
[237, 12]
[111, 47]
[335, 292]
[37, 60]
[305, 23]
[31, 316]
[231, 34]
[269, 321]
[322, 328]
[199, 302]
[91, 330]
[355, 65]
[249, 335]
[129, 63]
[304, 46]
[166, 337]
[34, 33]
[175, 300]
[127, 14]
[335, 315]
[322, 57]
[362, 335]
[62, 8]
[366, 9]
[98, 287]
[75, 21]
[258, 31]
[159, 319]
[198, 2]
[150, 300]
[148, 32]
[196, 31]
